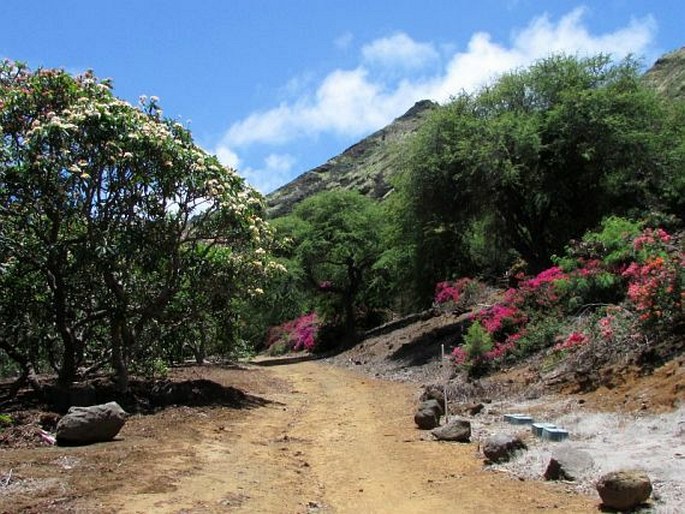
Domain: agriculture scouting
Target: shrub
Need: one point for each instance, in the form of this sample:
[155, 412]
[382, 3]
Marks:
[477, 343]
[619, 263]
[540, 333]
[457, 294]
[655, 288]
[295, 335]
[5, 421]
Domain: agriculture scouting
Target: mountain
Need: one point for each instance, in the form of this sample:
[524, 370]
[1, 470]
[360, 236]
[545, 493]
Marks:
[365, 166]
[368, 165]
[667, 75]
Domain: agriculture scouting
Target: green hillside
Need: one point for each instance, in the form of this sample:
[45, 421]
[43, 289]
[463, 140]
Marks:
[368, 165]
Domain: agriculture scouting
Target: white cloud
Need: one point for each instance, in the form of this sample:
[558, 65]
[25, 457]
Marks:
[276, 170]
[227, 157]
[399, 51]
[279, 163]
[353, 102]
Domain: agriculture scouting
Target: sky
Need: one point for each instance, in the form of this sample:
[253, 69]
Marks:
[277, 87]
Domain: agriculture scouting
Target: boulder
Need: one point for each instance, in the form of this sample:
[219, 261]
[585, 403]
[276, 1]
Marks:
[568, 463]
[433, 405]
[426, 419]
[458, 430]
[434, 392]
[86, 425]
[625, 489]
[501, 447]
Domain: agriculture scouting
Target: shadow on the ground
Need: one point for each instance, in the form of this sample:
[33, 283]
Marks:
[142, 397]
[427, 346]
[287, 359]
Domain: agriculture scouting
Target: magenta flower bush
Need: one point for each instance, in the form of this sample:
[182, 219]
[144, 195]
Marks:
[295, 335]
[457, 294]
[641, 283]
[449, 291]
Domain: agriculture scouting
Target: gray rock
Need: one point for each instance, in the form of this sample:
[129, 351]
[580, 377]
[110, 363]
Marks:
[434, 392]
[433, 405]
[625, 489]
[85, 425]
[426, 419]
[458, 430]
[568, 463]
[501, 447]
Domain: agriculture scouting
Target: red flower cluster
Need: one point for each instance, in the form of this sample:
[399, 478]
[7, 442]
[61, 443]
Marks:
[573, 341]
[606, 327]
[548, 276]
[650, 237]
[654, 287]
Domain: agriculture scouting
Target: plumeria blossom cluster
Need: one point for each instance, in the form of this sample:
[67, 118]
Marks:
[296, 335]
[129, 194]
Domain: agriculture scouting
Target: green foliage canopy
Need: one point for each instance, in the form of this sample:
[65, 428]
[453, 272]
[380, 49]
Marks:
[336, 241]
[534, 160]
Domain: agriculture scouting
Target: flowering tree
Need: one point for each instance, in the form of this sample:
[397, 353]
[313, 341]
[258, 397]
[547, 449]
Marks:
[109, 209]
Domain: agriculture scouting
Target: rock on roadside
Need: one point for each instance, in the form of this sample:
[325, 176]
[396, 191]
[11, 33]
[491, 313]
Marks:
[86, 425]
[426, 419]
[458, 430]
[625, 489]
[501, 447]
[428, 414]
[568, 463]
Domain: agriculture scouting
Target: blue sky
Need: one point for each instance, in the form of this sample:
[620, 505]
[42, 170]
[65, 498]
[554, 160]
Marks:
[276, 87]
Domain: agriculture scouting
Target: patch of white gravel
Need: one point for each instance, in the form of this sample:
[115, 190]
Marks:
[652, 443]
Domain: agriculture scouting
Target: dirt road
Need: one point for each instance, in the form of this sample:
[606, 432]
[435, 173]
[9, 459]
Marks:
[335, 442]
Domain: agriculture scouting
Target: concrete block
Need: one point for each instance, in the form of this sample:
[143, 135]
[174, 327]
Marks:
[518, 419]
[537, 428]
[554, 434]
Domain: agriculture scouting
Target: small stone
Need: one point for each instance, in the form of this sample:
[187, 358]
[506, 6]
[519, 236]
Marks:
[475, 408]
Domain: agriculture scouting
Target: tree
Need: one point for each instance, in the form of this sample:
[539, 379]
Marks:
[109, 208]
[337, 240]
[533, 160]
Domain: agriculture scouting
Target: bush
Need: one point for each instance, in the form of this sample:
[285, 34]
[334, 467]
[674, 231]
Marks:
[458, 294]
[540, 334]
[295, 335]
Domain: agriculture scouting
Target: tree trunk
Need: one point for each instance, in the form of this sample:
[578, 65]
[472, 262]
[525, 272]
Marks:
[67, 367]
[118, 357]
